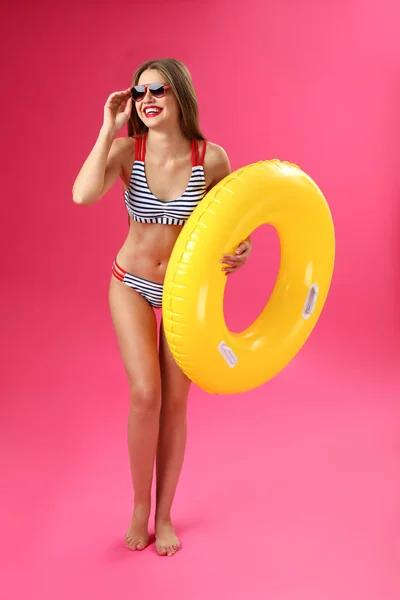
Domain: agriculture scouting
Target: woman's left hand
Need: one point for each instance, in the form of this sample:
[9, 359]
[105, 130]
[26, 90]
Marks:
[234, 262]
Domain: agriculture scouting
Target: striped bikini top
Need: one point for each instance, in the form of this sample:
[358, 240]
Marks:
[144, 207]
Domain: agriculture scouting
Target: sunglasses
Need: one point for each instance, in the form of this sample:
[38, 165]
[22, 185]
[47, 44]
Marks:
[158, 90]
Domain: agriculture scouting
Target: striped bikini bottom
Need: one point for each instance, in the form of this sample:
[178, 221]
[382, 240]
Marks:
[151, 291]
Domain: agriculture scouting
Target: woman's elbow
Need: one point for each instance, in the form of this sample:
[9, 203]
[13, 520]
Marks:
[83, 199]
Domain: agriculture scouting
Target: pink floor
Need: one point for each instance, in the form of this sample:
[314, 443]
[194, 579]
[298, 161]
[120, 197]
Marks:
[289, 492]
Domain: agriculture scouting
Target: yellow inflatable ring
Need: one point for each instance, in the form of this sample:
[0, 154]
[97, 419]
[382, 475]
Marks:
[214, 358]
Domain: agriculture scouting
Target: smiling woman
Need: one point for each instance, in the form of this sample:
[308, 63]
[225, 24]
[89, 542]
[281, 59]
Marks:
[166, 166]
[179, 90]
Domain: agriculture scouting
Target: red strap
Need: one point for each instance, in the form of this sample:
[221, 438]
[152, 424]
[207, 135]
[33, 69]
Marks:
[203, 152]
[118, 272]
[144, 147]
[196, 160]
[140, 147]
[138, 144]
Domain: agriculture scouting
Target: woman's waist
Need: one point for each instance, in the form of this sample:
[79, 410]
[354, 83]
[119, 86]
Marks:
[147, 259]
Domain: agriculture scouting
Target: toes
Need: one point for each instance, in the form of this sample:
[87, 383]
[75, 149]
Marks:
[135, 544]
[173, 549]
[161, 550]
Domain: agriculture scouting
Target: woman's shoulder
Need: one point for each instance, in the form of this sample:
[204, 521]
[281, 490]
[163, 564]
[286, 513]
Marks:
[216, 162]
[215, 152]
[124, 144]
[123, 151]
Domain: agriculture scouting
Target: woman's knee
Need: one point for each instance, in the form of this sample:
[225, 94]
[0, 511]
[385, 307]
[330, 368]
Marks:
[174, 406]
[145, 397]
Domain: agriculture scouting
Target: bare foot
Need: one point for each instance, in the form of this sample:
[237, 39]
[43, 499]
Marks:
[137, 536]
[167, 542]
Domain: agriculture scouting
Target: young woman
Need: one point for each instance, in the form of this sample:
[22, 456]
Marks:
[167, 167]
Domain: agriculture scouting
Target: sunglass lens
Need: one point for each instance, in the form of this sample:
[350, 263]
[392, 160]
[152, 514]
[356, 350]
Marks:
[138, 92]
[157, 89]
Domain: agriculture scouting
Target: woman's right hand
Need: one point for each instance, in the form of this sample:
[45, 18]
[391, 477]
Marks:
[117, 110]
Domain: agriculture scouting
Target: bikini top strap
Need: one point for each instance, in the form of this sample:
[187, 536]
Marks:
[203, 152]
[144, 147]
[196, 160]
[140, 147]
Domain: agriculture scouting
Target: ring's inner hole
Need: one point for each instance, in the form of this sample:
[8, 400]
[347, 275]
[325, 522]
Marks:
[248, 290]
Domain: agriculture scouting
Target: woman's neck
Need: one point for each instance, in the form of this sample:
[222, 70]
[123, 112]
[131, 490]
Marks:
[167, 145]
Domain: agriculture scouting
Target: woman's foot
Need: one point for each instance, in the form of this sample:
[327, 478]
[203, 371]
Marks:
[137, 536]
[167, 542]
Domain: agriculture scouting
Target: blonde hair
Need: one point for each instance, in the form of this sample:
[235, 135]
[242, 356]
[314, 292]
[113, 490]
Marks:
[176, 75]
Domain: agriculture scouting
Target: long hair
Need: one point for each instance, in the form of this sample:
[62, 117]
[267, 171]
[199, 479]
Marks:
[177, 76]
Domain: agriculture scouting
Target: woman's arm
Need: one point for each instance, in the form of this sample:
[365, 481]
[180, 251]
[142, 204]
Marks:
[100, 170]
[103, 166]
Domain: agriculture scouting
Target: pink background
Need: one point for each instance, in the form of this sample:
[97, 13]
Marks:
[288, 492]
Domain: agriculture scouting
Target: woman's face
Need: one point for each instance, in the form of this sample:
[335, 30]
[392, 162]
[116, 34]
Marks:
[157, 113]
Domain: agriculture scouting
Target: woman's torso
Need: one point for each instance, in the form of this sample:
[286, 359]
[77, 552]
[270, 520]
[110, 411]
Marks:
[170, 191]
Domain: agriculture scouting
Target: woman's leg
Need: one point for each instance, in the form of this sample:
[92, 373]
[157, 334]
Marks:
[136, 329]
[171, 446]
